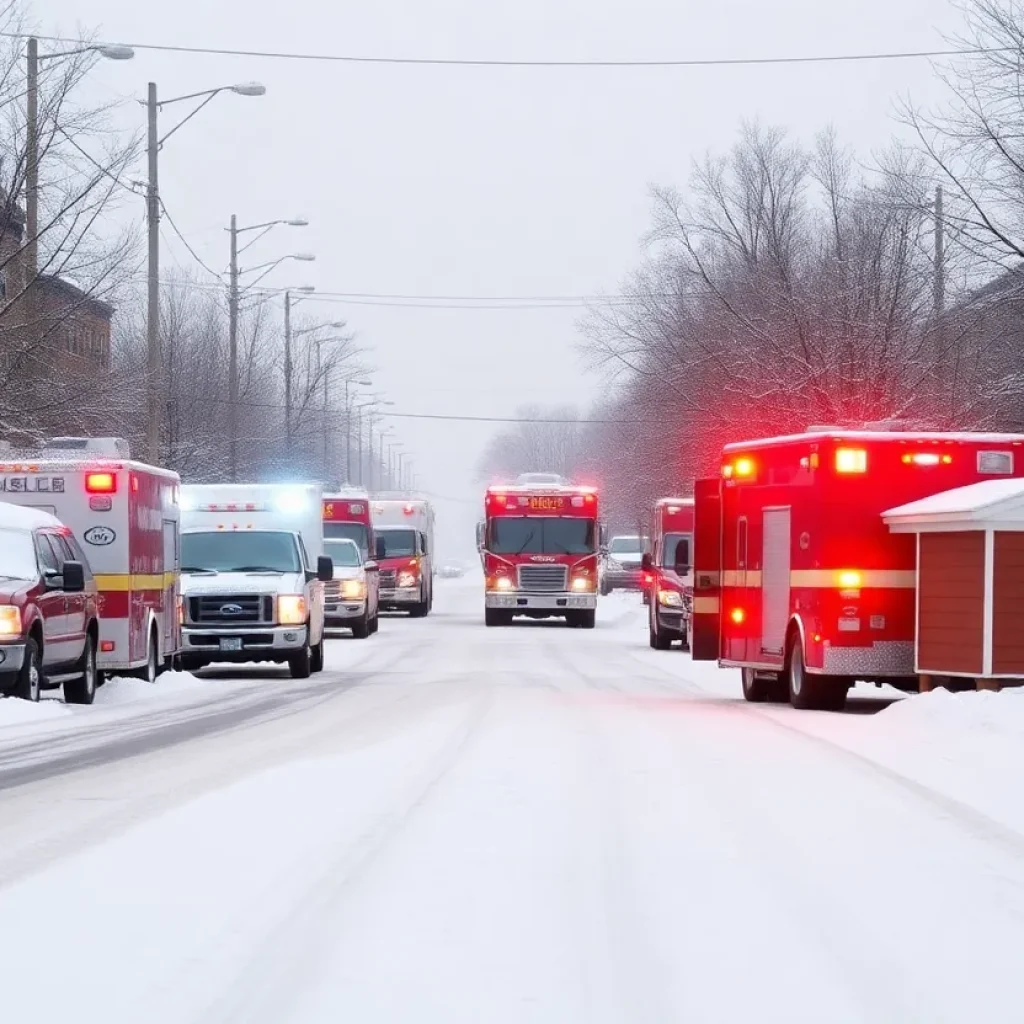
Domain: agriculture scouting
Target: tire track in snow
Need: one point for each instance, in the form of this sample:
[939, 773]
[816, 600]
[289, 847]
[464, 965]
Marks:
[291, 945]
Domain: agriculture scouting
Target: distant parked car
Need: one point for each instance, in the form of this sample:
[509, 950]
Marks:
[49, 618]
[621, 567]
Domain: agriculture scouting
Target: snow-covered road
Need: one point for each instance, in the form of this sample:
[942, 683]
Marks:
[454, 824]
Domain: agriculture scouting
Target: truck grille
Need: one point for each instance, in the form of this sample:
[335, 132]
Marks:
[387, 579]
[543, 578]
[208, 609]
[332, 590]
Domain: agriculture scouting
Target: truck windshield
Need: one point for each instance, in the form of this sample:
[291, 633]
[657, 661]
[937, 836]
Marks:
[398, 543]
[343, 552]
[251, 551]
[350, 531]
[541, 535]
[626, 546]
[17, 556]
[676, 550]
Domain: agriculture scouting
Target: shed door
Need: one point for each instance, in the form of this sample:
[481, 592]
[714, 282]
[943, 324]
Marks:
[775, 580]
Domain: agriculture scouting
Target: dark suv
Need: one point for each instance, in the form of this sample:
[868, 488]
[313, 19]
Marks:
[49, 624]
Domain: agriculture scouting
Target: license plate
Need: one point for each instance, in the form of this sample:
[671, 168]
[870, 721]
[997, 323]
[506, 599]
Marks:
[230, 643]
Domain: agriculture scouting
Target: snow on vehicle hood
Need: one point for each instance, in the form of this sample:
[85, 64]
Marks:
[348, 572]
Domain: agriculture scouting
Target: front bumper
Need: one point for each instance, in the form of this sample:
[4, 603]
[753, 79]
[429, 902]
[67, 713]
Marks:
[12, 657]
[343, 612]
[513, 600]
[623, 579]
[672, 620]
[260, 643]
[400, 596]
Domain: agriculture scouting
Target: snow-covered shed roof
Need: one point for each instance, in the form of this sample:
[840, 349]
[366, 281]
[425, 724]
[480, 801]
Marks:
[15, 517]
[997, 503]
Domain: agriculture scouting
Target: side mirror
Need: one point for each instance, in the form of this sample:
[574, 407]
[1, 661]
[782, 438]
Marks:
[646, 562]
[381, 550]
[371, 566]
[325, 568]
[681, 568]
[74, 577]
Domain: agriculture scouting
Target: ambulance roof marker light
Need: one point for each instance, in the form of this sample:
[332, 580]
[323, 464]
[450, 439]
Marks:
[100, 483]
[851, 460]
[926, 459]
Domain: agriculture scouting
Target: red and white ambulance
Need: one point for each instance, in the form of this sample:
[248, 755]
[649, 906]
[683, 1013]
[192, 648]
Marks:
[347, 516]
[797, 580]
[540, 552]
[126, 517]
[404, 527]
[667, 580]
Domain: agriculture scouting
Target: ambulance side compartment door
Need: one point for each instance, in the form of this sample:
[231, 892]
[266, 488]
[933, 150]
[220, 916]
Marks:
[705, 639]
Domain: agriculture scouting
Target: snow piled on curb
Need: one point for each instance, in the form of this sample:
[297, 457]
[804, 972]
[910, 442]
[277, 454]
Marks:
[125, 690]
[22, 712]
[986, 710]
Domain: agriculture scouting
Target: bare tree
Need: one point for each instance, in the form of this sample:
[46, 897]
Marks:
[544, 440]
[45, 310]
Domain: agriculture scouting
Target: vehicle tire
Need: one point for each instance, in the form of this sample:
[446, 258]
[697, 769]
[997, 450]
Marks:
[361, 628]
[755, 690]
[659, 641]
[375, 625]
[30, 679]
[317, 657]
[605, 589]
[301, 663]
[812, 692]
[496, 617]
[83, 690]
[420, 610]
[587, 619]
[151, 669]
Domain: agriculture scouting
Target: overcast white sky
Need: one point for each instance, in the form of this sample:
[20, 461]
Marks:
[480, 181]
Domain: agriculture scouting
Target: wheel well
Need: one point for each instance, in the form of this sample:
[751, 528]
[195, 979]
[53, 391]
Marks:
[36, 633]
[795, 629]
[93, 630]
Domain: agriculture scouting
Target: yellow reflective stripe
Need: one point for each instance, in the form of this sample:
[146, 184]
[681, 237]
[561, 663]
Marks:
[741, 578]
[137, 581]
[705, 606]
[891, 579]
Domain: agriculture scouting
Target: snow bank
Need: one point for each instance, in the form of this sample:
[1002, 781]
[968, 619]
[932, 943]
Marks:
[126, 690]
[22, 712]
[973, 711]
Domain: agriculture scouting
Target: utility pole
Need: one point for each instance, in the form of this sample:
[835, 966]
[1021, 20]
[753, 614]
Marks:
[154, 360]
[233, 350]
[325, 371]
[32, 166]
[359, 443]
[348, 434]
[939, 282]
[287, 374]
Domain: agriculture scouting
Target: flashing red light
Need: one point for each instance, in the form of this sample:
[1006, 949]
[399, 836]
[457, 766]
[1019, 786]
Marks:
[589, 499]
[101, 483]
[851, 460]
[926, 459]
[409, 509]
[737, 615]
[106, 646]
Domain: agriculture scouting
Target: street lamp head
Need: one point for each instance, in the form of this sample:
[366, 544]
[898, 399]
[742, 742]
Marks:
[248, 89]
[297, 222]
[114, 51]
[305, 289]
[305, 257]
[364, 383]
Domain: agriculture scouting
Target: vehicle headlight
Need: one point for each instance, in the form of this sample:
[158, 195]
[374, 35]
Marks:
[582, 583]
[670, 598]
[503, 583]
[353, 590]
[291, 609]
[407, 579]
[10, 621]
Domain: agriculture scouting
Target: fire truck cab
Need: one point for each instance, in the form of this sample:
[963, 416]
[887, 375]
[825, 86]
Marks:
[667, 579]
[540, 552]
[797, 580]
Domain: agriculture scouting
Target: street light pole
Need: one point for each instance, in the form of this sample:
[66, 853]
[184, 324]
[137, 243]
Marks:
[154, 377]
[288, 374]
[32, 165]
[154, 361]
[233, 350]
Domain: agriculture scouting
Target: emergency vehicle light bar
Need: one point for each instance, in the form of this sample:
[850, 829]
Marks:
[926, 459]
[743, 468]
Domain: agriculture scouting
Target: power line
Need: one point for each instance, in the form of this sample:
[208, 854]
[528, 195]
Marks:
[695, 62]
[185, 242]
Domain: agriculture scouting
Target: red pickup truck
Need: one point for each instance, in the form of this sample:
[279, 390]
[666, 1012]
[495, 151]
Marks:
[49, 620]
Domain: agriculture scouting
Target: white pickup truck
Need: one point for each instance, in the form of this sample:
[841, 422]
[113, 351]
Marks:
[252, 575]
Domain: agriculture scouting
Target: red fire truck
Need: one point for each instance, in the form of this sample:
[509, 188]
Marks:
[797, 580]
[346, 516]
[540, 545]
[667, 581]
